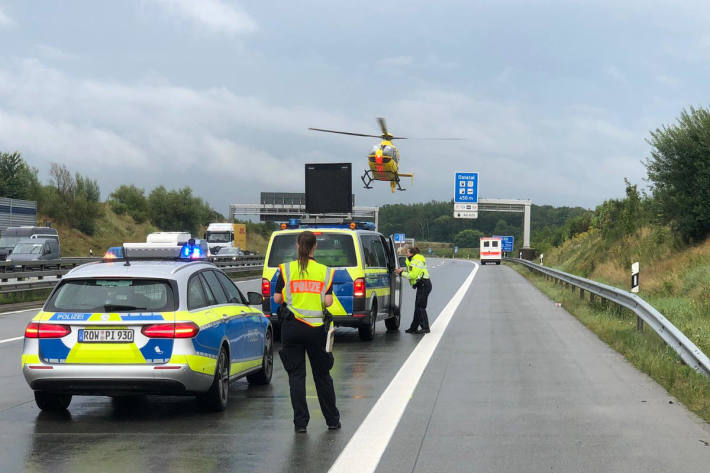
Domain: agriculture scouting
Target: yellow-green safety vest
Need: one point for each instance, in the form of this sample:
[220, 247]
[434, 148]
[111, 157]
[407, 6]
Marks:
[304, 292]
[416, 269]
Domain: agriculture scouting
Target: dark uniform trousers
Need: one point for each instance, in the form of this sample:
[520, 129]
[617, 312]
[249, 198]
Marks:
[297, 339]
[420, 302]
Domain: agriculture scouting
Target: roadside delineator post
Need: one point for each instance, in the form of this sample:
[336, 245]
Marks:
[635, 290]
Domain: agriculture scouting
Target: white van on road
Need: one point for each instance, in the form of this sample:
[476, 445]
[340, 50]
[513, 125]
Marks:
[491, 250]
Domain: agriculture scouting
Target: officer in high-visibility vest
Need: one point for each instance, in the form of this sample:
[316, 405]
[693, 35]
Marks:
[418, 276]
[305, 289]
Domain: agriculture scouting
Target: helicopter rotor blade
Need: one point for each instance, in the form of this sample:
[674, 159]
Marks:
[383, 126]
[438, 139]
[345, 133]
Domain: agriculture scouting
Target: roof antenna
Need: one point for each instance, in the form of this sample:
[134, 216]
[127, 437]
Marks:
[125, 257]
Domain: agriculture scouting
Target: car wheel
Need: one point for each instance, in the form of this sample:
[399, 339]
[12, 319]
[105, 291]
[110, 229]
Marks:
[367, 332]
[52, 401]
[392, 323]
[218, 394]
[267, 363]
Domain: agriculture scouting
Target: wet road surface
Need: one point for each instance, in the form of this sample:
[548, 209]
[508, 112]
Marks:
[515, 384]
[175, 434]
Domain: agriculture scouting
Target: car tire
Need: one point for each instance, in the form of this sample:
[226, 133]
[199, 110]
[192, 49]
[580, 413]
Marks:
[392, 323]
[367, 332]
[52, 401]
[267, 363]
[497, 262]
[217, 396]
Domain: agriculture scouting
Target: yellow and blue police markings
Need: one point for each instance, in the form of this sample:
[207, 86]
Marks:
[70, 349]
[377, 282]
[201, 355]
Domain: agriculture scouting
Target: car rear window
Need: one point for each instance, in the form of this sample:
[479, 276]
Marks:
[112, 295]
[334, 249]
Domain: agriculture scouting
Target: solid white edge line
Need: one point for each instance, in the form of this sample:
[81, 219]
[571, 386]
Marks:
[363, 452]
[11, 339]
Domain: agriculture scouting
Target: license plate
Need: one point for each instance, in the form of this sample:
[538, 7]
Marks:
[105, 335]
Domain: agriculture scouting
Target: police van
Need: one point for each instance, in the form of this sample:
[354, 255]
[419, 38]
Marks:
[491, 250]
[366, 288]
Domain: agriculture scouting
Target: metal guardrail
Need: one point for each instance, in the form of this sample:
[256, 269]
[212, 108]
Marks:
[35, 269]
[674, 338]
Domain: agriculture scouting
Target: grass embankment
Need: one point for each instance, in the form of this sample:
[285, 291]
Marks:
[111, 230]
[673, 279]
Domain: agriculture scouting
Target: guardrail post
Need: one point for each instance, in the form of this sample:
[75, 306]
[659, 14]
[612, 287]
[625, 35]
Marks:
[581, 293]
[639, 324]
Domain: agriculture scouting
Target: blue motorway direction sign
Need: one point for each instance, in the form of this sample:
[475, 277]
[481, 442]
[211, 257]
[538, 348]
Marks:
[399, 237]
[466, 187]
[506, 242]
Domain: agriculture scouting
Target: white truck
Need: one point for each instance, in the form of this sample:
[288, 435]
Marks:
[491, 250]
[223, 235]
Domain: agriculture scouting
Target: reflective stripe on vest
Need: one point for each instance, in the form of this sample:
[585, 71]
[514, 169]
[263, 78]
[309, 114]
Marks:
[304, 293]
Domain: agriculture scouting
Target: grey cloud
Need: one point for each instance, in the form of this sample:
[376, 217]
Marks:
[214, 15]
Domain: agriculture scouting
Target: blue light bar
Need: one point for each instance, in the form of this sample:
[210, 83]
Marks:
[194, 249]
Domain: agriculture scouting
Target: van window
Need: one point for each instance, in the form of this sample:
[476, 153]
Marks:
[334, 249]
[373, 251]
[495, 244]
[486, 244]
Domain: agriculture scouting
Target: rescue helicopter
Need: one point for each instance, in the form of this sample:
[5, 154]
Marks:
[383, 159]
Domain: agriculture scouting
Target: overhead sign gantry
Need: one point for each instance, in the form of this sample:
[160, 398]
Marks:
[467, 204]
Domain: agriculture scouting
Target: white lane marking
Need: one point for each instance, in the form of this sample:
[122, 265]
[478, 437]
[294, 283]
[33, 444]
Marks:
[11, 339]
[365, 448]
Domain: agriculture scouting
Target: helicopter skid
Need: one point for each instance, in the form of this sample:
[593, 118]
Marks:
[391, 177]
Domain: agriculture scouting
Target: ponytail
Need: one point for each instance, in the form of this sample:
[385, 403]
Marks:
[306, 242]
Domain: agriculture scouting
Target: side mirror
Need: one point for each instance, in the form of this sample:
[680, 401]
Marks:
[254, 298]
[402, 261]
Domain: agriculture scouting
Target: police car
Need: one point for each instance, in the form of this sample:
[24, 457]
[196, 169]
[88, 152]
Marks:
[157, 321]
[366, 288]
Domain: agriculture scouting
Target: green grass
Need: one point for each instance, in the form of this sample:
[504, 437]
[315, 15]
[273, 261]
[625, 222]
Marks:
[645, 350]
[38, 296]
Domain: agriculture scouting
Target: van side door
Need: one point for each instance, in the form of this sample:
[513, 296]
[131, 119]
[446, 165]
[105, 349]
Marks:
[395, 279]
[376, 274]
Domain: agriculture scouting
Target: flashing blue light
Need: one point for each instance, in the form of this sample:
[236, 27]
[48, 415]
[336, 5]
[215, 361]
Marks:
[294, 223]
[194, 250]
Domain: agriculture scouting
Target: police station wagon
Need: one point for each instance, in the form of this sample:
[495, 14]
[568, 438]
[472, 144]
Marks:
[146, 325]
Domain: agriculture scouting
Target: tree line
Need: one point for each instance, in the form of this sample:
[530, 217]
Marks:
[434, 222]
[75, 200]
[678, 197]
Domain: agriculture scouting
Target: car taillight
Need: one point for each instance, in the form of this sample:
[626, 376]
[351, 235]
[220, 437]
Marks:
[40, 330]
[265, 288]
[359, 287]
[178, 330]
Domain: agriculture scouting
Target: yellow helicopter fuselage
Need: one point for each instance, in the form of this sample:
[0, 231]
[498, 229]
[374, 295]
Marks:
[384, 161]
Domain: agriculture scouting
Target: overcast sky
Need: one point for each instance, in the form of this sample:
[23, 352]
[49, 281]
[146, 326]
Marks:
[555, 99]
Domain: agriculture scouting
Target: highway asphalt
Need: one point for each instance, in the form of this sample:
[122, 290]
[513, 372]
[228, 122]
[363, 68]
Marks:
[514, 384]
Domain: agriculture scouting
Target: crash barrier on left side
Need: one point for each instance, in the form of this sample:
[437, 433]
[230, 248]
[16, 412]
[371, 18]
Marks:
[674, 338]
[36, 275]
